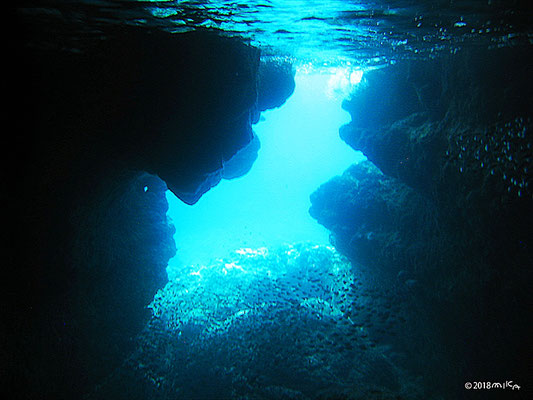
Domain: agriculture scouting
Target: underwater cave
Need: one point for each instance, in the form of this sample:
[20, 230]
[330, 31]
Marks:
[276, 199]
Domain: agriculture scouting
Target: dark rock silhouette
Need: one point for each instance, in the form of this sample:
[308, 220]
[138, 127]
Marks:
[102, 131]
[242, 161]
[450, 210]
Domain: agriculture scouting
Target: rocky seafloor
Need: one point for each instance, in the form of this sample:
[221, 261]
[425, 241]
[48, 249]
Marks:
[296, 322]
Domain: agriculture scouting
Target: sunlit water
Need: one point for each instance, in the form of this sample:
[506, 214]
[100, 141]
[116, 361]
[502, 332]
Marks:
[331, 31]
[300, 150]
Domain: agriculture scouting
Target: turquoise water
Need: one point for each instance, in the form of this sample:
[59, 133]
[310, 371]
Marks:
[300, 150]
[372, 31]
[368, 31]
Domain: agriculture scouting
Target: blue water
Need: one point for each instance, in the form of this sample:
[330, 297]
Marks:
[300, 150]
[371, 32]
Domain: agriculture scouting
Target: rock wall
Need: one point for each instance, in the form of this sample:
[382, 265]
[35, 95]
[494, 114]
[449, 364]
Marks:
[99, 133]
[448, 209]
[385, 223]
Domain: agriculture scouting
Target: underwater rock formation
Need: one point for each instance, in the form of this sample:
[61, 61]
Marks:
[275, 84]
[102, 131]
[451, 210]
[242, 161]
[469, 112]
[85, 274]
[385, 224]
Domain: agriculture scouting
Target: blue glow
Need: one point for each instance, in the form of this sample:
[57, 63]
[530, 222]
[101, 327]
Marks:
[300, 150]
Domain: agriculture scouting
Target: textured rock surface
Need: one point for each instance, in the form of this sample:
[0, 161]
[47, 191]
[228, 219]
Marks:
[450, 213]
[275, 84]
[384, 225]
[89, 241]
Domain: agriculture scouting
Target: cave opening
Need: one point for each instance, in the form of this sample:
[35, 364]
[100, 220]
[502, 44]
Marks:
[300, 148]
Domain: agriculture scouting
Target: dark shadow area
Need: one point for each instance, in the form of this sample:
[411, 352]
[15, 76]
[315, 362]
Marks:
[447, 213]
[99, 135]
